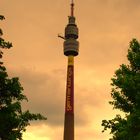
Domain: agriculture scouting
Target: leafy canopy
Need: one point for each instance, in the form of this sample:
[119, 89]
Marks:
[13, 121]
[126, 97]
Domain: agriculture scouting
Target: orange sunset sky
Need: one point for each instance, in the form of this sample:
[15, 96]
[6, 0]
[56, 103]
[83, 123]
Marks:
[105, 29]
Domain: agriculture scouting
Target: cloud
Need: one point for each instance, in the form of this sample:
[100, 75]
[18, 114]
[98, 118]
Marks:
[43, 132]
[111, 27]
[46, 94]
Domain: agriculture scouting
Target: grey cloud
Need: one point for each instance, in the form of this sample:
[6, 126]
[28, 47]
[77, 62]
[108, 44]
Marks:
[46, 95]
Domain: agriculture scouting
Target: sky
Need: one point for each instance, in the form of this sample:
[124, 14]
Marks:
[105, 29]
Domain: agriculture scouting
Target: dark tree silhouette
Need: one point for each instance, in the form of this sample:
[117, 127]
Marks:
[13, 121]
[126, 97]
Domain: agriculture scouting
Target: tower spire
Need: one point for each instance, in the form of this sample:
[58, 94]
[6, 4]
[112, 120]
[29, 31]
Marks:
[72, 8]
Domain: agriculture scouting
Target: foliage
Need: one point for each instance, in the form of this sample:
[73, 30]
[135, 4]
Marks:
[126, 97]
[13, 120]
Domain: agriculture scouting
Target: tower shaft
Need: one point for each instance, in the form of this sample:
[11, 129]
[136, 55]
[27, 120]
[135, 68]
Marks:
[69, 104]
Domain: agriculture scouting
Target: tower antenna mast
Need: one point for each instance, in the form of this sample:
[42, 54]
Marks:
[72, 8]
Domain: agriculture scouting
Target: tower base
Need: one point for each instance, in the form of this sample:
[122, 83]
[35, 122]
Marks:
[69, 126]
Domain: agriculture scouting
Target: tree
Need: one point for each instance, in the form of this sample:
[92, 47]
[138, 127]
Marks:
[126, 97]
[13, 121]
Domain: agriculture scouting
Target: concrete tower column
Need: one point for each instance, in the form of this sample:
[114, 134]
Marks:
[69, 104]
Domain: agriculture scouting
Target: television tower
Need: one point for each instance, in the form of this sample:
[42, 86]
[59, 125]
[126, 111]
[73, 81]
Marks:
[71, 49]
